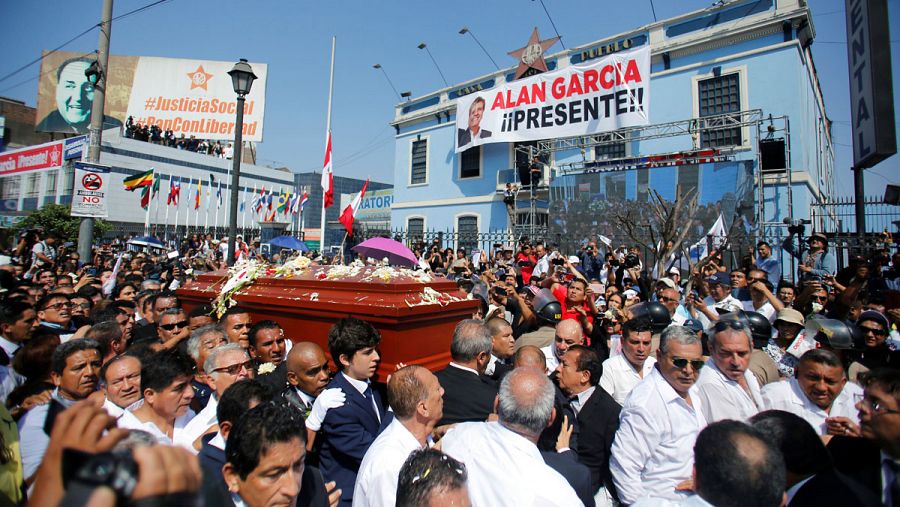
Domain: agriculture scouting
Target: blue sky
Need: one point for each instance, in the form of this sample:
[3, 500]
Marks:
[294, 38]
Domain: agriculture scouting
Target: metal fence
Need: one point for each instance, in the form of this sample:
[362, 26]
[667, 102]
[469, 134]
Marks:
[173, 235]
[740, 245]
[839, 215]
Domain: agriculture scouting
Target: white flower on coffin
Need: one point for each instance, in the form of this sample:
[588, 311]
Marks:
[266, 368]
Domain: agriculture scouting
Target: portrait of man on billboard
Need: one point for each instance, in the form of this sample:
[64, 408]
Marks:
[74, 100]
[476, 112]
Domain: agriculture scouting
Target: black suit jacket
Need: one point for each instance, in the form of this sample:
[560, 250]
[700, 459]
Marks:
[275, 381]
[467, 396]
[859, 459]
[346, 434]
[598, 421]
[578, 475]
[465, 137]
[834, 488]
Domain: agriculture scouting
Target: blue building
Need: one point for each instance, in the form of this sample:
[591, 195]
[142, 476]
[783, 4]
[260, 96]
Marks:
[736, 114]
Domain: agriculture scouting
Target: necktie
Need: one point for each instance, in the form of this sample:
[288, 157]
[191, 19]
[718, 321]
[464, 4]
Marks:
[574, 404]
[371, 397]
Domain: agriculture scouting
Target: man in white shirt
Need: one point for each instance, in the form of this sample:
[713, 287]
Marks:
[75, 368]
[762, 300]
[726, 388]
[17, 323]
[568, 332]
[225, 365]
[415, 396]
[166, 385]
[543, 264]
[622, 372]
[719, 300]
[121, 378]
[653, 449]
[820, 394]
[734, 463]
[504, 464]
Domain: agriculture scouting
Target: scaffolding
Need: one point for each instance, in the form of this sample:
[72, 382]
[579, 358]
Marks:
[766, 129]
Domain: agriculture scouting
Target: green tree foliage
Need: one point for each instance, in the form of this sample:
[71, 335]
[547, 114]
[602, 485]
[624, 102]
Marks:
[56, 218]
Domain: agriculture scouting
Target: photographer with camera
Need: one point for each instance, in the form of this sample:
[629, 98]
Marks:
[815, 259]
[591, 262]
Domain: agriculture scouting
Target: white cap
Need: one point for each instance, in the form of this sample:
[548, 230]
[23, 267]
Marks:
[573, 259]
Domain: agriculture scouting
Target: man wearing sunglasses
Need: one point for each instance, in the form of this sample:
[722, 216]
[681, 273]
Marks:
[54, 313]
[877, 353]
[653, 449]
[874, 459]
[726, 388]
[173, 330]
[225, 365]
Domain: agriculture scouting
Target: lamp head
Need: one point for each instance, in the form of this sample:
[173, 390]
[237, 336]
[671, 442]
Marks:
[421, 46]
[242, 77]
[464, 30]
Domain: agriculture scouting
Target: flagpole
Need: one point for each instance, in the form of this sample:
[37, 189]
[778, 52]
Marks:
[147, 213]
[218, 205]
[155, 213]
[206, 220]
[327, 133]
[177, 209]
[166, 234]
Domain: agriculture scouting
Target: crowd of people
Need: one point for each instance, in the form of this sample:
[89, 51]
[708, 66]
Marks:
[156, 135]
[580, 379]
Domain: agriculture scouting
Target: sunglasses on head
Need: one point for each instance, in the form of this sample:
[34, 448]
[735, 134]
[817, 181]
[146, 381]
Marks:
[722, 325]
[682, 363]
[171, 327]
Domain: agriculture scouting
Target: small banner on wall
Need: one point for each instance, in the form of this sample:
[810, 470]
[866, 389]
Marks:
[90, 191]
[603, 95]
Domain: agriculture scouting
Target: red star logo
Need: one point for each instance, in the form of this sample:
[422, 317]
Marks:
[199, 78]
[531, 57]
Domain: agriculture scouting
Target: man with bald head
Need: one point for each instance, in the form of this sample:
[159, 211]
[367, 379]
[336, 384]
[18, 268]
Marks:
[530, 356]
[568, 332]
[307, 376]
[415, 395]
[505, 466]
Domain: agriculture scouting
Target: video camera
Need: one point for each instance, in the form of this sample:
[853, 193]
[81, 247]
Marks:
[796, 226]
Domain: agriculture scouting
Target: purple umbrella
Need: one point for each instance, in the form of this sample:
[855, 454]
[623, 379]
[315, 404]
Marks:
[379, 248]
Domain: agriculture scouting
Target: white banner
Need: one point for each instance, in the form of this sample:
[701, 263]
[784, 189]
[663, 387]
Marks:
[195, 98]
[600, 96]
[90, 192]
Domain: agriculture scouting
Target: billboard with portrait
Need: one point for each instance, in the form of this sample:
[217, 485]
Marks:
[599, 96]
[188, 97]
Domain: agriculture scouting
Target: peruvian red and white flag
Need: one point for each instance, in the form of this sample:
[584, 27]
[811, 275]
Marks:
[327, 176]
[349, 212]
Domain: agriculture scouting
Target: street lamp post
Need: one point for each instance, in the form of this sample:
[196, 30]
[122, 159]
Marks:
[242, 77]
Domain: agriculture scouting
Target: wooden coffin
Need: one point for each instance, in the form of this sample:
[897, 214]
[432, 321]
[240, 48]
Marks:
[416, 324]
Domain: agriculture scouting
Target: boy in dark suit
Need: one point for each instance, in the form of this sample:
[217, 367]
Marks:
[349, 430]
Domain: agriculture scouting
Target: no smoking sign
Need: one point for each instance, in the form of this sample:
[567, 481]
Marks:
[91, 181]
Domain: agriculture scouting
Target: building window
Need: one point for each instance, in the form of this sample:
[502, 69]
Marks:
[419, 171]
[470, 163]
[720, 95]
[68, 180]
[688, 179]
[415, 229]
[643, 185]
[32, 185]
[50, 183]
[615, 186]
[10, 187]
[523, 161]
[467, 232]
